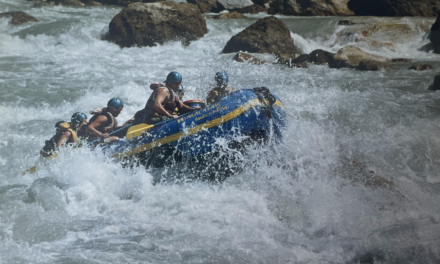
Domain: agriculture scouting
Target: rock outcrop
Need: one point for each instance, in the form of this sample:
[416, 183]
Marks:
[310, 7]
[267, 35]
[18, 17]
[427, 8]
[435, 34]
[353, 56]
[149, 24]
[208, 6]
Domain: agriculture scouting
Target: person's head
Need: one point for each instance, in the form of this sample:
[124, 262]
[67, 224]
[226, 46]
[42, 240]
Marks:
[222, 79]
[181, 92]
[174, 79]
[77, 120]
[114, 106]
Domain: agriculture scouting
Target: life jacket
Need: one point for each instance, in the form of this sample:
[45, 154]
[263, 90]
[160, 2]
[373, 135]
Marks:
[220, 93]
[51, 145]
[170, 105]
[112, 123]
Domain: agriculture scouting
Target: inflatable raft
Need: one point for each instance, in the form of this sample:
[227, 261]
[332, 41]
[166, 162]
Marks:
[252, 113]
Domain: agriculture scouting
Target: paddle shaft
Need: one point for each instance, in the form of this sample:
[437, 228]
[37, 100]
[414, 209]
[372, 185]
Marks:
[99, 139]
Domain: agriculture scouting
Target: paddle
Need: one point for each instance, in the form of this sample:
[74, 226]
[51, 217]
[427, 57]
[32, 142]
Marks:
[138, 130]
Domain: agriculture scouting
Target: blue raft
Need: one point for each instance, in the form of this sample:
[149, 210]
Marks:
[249, 112]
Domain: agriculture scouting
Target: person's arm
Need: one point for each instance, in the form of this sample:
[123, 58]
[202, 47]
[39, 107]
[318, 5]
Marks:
[161, 96]
[98, 122]
[211, 95]
[184, 108]
[64, 138]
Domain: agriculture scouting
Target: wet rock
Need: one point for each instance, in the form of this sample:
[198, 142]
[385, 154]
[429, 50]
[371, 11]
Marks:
[244, 57]
[421, 67]
[18, 17]
[435, 35]
[345, 23]
[283, 58]
[231, 15]
[321, 57]
[436, 85]
[400, 60]
[301, 58]
[253, 9]
[208, 6]
[235, 4]
[267, 35]
[353, 56]
[310, 7]
[427, 8]
[299, 65]
[91, 2]
[149, 24]
[70, 2]
[367, 66]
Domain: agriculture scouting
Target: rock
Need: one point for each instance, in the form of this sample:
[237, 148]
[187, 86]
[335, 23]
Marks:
[353, 56]
[70, 2]
[91, 2]
[436, 85]
[267, 35]
[345, 23]
[435, 34]
[244, 57]
[283, 58]
[231, 15]
[367, 66]
[421, 67]
[320, 57]
[149, 24]
[235, 4]
[310, 7]
[426, 8]
[208, 6]
[253, 9]
[18, 17]
[299, 65]
[301, 58]
[399, 60]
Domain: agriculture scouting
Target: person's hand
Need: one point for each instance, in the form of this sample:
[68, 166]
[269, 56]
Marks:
[174, 116]
[105, 135]
[197, 108]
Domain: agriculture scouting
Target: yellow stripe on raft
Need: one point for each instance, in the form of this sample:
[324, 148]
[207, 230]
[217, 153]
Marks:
[212, 123]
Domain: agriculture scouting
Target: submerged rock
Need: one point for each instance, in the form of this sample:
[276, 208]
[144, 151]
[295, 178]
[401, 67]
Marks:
[435, 35]
[267, 35]
[310, 7]
[244, 57]
[18, 17]
[149, 24]
[427, 8]
[421, 67]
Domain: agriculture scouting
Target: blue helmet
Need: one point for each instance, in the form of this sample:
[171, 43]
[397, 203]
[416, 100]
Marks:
[174, 77]
[221, 77]
[116, 104]
[77, 118]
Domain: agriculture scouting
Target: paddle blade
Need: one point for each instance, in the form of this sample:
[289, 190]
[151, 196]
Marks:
[31, 170]
[137, 130]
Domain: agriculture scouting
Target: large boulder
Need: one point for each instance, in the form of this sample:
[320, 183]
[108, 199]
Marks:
[310, 7]
[435, 35]
[149, 24]
[235, 4]
[18, 17]
[208, 6]
[267, 35]
[353, 56]
[427, 8]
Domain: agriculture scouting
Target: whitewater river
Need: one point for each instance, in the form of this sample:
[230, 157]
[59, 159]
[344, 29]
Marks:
[356, 179]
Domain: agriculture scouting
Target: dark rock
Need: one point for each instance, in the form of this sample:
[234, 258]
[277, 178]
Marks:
[310, 7]
[397, 60]
[320, 57]
[18, 17]
[302, 58]
[367, 66]
[208, 6]
[267, 35]
[427, 8]
[299, 65]
[231, 15]
[244, 57]
[253, 9]
[421, 67]
[283, 58]
[149, 24]
[345, 23]
[436, 85]
[434, 36]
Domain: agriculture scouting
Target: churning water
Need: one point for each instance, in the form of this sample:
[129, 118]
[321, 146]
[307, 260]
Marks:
[356, 179]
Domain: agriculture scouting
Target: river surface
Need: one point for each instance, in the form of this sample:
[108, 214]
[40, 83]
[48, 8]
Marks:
[356, 179]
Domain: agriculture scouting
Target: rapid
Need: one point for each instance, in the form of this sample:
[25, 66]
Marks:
[355, 180]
